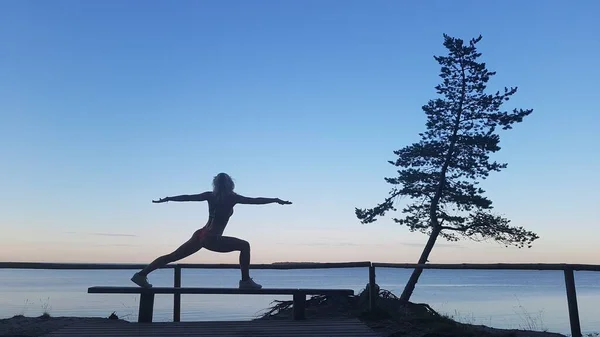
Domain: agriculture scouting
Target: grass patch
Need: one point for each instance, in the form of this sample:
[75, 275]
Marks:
[392, 317]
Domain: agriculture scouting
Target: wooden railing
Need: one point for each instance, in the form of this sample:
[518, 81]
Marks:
[568, 270]
[176, 270]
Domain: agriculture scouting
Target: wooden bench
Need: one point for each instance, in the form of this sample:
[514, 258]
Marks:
[147, 296]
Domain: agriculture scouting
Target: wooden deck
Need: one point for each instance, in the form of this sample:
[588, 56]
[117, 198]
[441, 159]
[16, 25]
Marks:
[265, 328]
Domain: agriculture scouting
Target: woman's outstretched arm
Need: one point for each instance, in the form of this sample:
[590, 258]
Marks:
[260, 201]
[185, 197]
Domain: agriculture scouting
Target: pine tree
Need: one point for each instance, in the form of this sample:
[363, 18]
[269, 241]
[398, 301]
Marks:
[440, 173]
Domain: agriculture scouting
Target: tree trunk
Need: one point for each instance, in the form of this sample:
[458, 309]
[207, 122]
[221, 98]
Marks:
[414, 277]
[433, 216]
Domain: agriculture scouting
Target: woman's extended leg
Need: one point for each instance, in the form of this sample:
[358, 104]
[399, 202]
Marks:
[227, 244]
[190, 247]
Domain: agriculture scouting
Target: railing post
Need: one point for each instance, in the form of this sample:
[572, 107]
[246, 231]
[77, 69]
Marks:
[177, 297]
[372, 288]
[146, 309]
[572, 302]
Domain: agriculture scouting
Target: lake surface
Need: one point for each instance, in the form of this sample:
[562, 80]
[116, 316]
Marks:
[504, 299]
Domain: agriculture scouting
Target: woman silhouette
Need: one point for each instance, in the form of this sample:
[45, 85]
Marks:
[220, 208]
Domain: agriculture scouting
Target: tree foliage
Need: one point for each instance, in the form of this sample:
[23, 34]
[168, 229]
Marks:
[440, 174]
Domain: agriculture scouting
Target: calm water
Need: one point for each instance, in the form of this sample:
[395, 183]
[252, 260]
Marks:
[504, 299]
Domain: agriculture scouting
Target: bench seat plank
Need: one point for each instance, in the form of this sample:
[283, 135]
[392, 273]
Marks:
[223, 291]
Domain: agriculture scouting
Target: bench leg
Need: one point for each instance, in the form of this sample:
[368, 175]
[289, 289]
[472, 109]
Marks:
[146, 307]
[299, 306]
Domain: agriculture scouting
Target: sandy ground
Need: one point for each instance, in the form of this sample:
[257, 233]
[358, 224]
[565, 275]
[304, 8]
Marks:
[394, 329]
[20, 326]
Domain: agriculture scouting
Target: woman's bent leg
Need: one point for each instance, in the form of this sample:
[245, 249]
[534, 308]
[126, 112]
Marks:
[227, 244]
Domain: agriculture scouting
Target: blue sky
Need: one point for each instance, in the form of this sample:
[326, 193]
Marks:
[106, 105]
